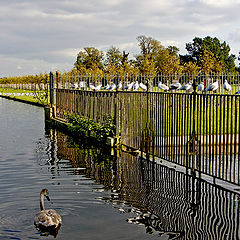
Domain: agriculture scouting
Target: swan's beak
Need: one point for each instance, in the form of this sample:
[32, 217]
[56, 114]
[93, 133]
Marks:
[48, 198]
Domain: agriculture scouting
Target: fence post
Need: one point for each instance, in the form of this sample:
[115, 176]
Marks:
[51, 88]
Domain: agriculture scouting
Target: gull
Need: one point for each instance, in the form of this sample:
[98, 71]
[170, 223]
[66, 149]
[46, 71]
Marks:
[75, 85]
[186, 87]
[113, 87]
[129, 86]
[98, 87]
[92, 87]
[106, 87]
[136, 86]
[82, 84]
[175, 86]
[163, 86]
[212, 87]
[119, 86]
[142, 86]
[201, 87]
[227, 86]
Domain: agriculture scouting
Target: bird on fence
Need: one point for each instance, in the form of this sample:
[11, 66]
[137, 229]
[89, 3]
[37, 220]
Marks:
[175, 86]
[201, 87]
[106, 87]
[212, 87]
[129, 86]
[136, 86]
[227, 86]
[113, 87]
[163, 86]
[75, 85]
[92, 87]
[98, 87]
[82, 84]
[186, 87]
[142, 86]
[119, 86]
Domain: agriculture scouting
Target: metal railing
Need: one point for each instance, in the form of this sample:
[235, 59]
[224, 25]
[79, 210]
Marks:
[195, 130]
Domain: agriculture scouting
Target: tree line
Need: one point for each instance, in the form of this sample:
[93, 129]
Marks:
[204, 55]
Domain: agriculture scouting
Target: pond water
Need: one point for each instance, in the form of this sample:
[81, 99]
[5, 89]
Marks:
[100, 194]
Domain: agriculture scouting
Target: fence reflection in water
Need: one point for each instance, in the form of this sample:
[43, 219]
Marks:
[165, 201]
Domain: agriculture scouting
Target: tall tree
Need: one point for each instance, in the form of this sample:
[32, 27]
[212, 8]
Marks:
[221, 51]
[90, 58]
[113, 57]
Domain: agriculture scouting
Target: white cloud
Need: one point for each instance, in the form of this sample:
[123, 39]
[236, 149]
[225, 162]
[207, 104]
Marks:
[45, 35]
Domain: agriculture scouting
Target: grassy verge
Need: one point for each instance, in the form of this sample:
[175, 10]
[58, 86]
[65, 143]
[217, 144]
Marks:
[28, 96]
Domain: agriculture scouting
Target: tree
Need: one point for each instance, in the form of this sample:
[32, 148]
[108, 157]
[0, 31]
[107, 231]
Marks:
[167, 63]
[148, 45]
[113, 57]
[147, 66]
[191, 68]
[221, 51]
[89, 59]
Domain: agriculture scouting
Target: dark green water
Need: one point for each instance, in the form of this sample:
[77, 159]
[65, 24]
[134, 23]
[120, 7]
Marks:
[99, 195]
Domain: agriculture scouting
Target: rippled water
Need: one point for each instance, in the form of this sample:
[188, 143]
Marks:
[98, 194]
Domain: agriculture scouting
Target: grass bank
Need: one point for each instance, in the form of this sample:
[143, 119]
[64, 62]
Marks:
[27, 96]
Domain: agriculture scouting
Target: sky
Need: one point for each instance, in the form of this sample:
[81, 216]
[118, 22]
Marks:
[39, 36]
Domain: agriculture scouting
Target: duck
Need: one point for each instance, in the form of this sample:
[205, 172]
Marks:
[47, 220]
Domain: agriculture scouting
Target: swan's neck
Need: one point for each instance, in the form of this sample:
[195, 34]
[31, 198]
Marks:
[42, 202]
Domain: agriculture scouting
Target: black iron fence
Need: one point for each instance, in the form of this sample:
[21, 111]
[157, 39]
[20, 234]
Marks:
[151, 83]
[197, 130]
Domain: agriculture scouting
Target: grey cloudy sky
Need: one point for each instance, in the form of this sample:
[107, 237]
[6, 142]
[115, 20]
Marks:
[46, 35]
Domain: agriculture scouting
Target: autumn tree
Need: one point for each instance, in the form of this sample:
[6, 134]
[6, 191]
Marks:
[90, 59]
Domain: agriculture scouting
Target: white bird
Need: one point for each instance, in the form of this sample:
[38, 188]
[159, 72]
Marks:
[106, 87]
[113, 87]
[92, 87]
[201, 87]
[136, 86]
[119, 86]
[98, 87]
[227, 86]
[175, 86]
[82, 84]
[75, 85]
[142, 86]
[212, 87]
[129, 86]
[186, 87]
[47, 220]
[163, 86]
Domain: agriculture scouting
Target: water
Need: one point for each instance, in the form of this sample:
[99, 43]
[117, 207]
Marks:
[99, 195]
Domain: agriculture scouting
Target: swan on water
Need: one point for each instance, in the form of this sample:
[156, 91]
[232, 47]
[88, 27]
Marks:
[47, 220]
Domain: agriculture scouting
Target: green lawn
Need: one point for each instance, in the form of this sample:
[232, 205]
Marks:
[25, 95]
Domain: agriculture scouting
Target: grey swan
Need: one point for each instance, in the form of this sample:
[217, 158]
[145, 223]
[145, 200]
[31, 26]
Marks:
[47, 220]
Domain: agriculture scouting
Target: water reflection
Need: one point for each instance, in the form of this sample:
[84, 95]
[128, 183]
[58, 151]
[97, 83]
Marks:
[167, 203]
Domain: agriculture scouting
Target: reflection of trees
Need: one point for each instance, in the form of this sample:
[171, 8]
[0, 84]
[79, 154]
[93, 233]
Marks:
[169, 202]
